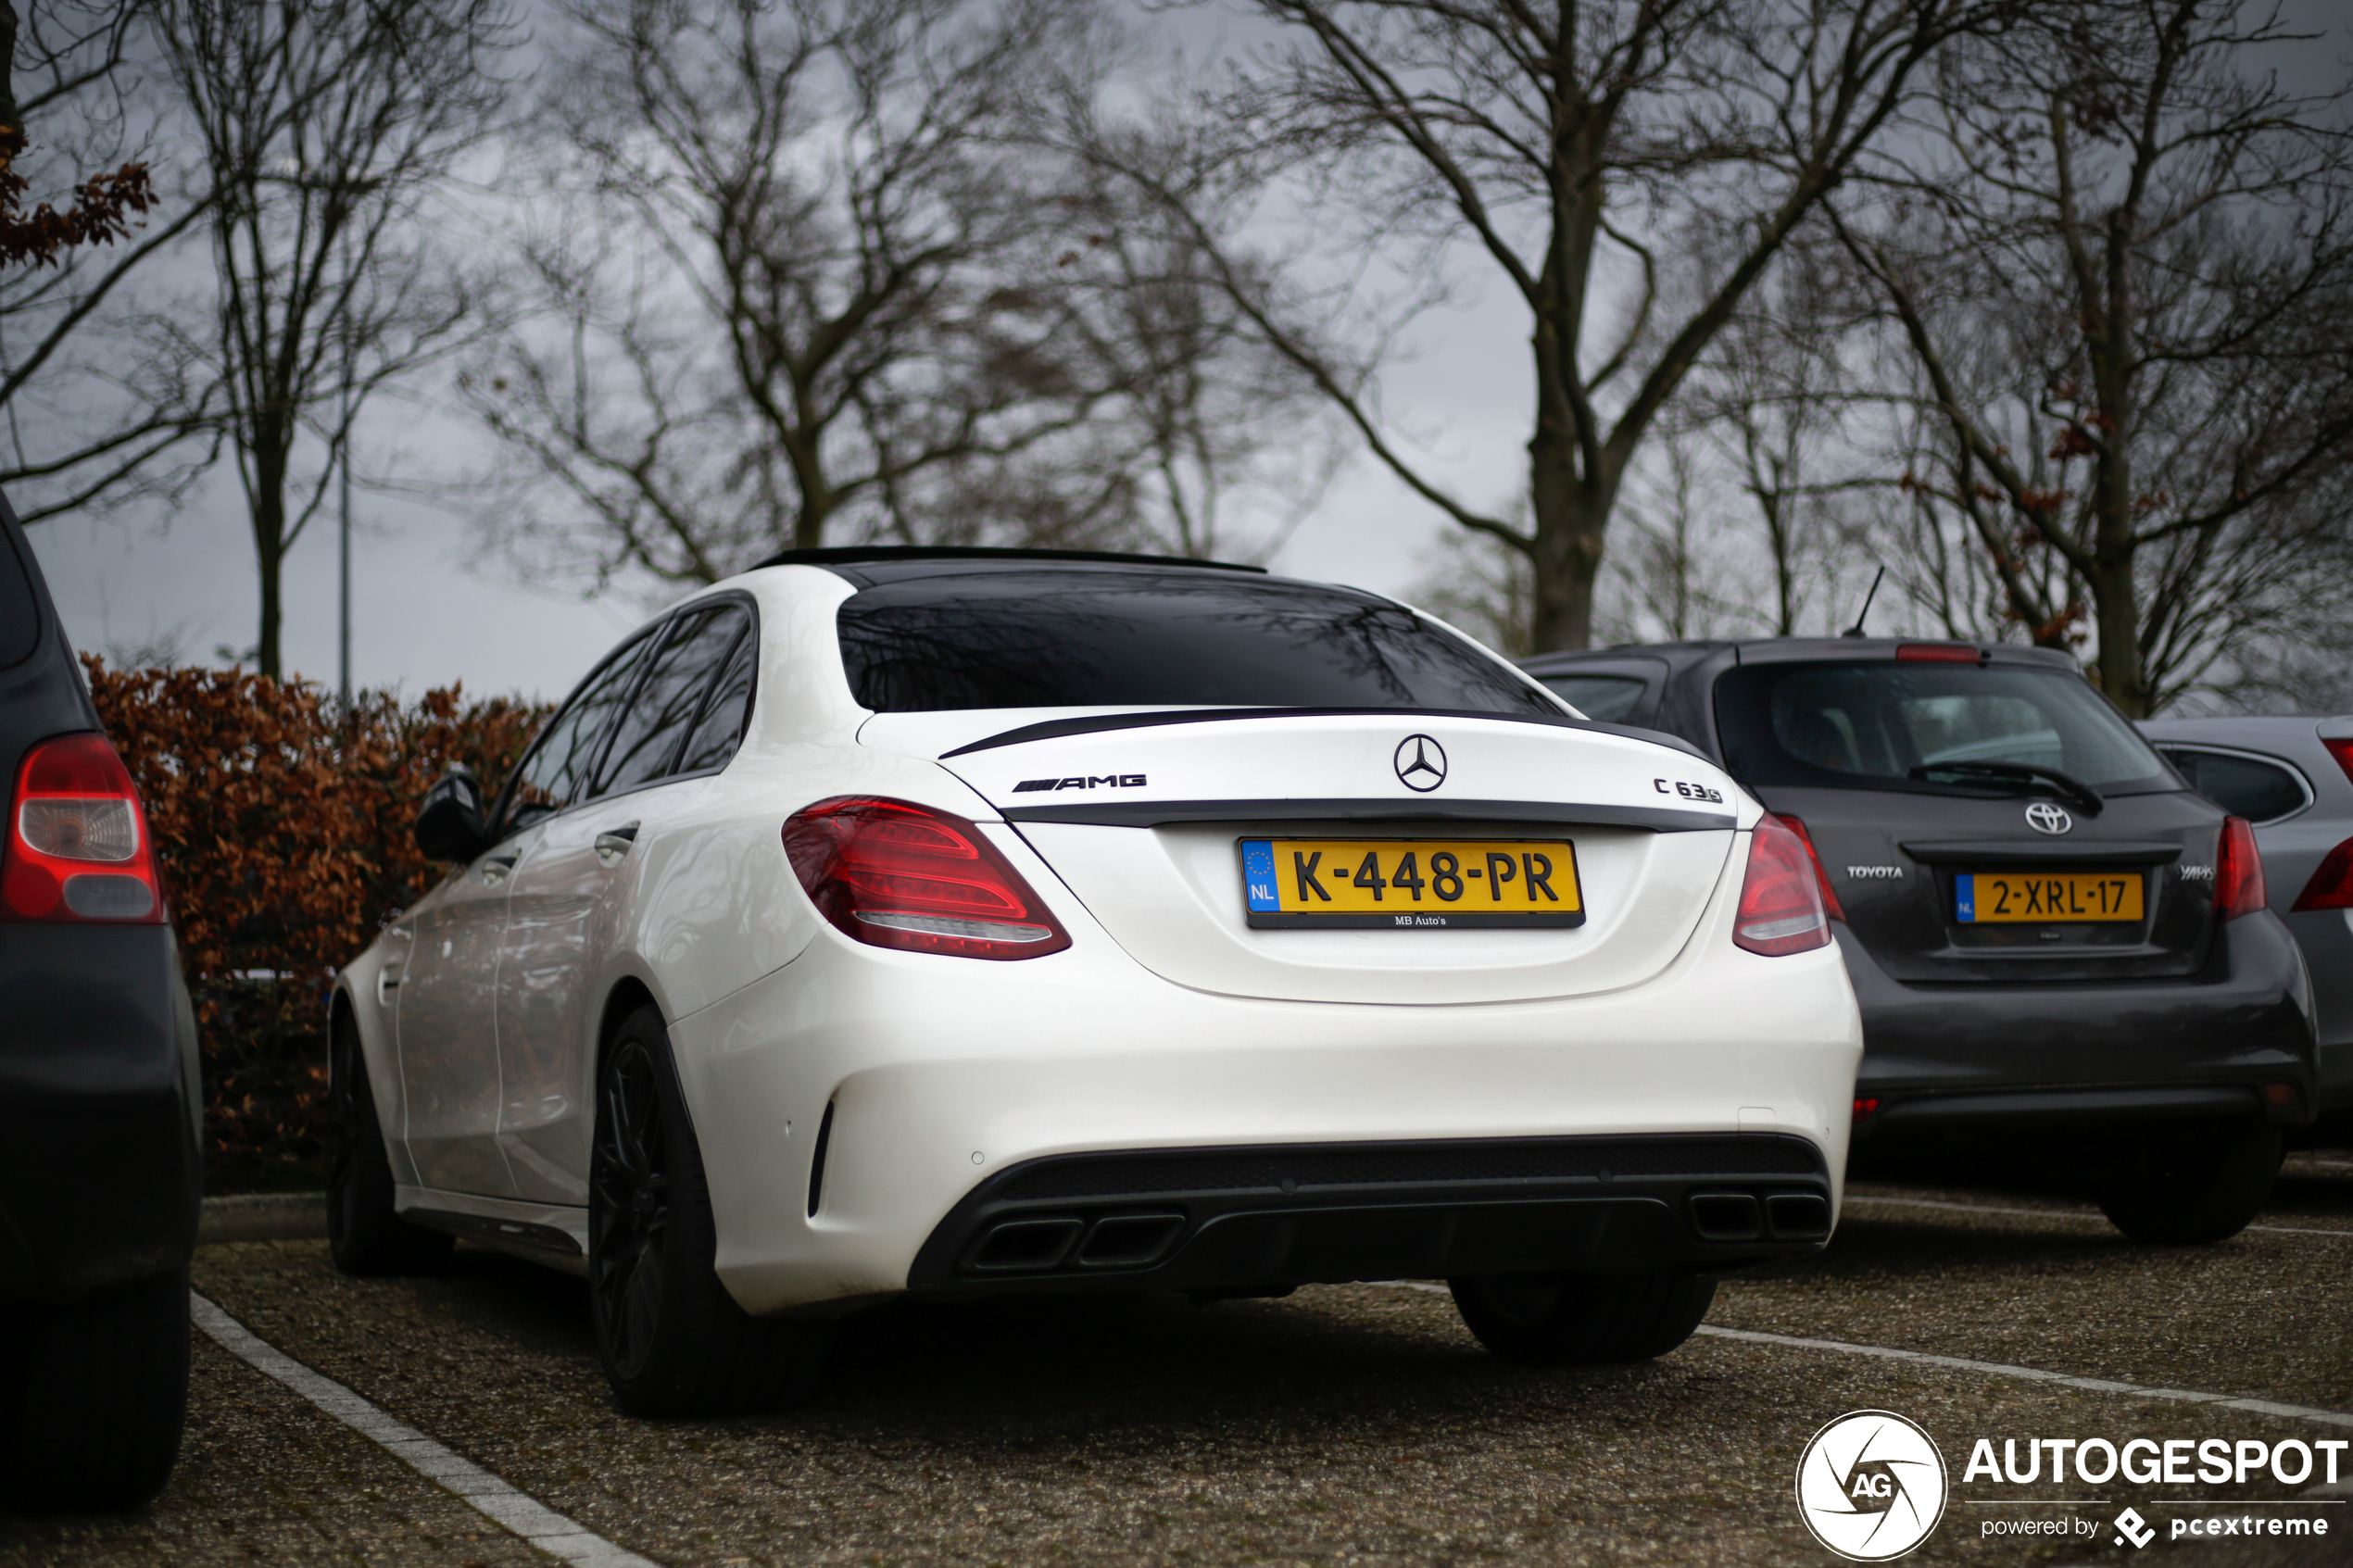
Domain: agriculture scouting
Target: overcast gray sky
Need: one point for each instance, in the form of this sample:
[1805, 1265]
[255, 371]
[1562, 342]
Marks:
[427, 612]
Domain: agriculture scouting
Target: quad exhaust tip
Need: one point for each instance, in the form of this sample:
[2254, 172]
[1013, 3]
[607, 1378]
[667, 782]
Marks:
[1740, 1216]
[1043, 1245]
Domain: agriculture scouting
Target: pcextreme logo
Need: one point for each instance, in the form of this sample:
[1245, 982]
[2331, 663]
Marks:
[1871, 1485]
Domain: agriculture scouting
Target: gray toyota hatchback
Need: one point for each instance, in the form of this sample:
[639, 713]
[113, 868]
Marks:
[2057, 946]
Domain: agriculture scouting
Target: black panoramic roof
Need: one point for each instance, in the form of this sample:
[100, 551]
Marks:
[962, 558]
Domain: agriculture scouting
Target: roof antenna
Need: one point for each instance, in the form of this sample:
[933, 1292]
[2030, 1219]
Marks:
[1857, 630]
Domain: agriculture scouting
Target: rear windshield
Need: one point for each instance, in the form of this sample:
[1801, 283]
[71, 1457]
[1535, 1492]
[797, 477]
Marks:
[1868, 726]
[1074, 638]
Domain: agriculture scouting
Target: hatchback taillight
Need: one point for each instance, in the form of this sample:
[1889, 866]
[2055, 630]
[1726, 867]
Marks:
[2238, 871]
[2331, 884]
[77, 849]
[899, 875]
[1781, 908]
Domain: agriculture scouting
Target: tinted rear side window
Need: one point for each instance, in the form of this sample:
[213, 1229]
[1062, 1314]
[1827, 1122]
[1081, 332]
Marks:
[1606, 697]
[669, 698]
[720, 729]
[1116, 638]
[1866, 726]
[19, 618]
[2241, 786]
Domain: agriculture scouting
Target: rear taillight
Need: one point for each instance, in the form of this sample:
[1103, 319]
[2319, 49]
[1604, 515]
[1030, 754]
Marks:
[2238, 871]
[1821, 877]
[1781, 908]
[898, 875]
[2331, 884]
[2343, 751]
[1938, 653]
[77, 849]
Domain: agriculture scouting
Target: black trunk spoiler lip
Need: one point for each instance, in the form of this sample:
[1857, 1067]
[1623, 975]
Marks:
[1163, 813]
[1055, 728]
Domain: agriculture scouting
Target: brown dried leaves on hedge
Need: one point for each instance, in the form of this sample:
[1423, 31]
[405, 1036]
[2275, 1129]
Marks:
[282, 832]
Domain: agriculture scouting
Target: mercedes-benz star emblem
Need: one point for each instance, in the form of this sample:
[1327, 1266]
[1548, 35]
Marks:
[2044, 817]
[1421, 763]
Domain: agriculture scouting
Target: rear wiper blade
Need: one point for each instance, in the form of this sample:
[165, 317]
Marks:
[2066, 785]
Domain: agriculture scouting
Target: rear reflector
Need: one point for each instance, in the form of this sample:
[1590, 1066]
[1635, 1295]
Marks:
[1830, 897]
[1866, 1107]
[1939, 653]
[77, 847]
[892, 874]
[1781, 909]
[2238, 871]
[2331, 884]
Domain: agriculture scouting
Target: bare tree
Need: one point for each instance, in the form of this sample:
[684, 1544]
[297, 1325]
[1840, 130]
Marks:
[1572, 146]
[326, 127]
[80, 94]
[2117, 269]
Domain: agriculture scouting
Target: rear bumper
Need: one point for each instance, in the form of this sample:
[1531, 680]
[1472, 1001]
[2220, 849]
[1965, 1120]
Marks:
[100, 1164]
[1272, 1216]
[952, 1082]
[1990, 1058]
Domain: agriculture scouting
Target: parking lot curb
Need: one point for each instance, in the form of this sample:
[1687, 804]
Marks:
[264, 1216]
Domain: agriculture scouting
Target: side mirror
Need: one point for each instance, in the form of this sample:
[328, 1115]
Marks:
[450, 824]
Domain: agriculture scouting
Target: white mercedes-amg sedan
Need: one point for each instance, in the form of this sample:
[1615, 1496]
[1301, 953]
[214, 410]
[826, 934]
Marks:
[958, 923]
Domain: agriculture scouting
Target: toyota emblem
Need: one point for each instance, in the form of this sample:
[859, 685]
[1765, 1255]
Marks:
[1421, 763]
[2044, 817]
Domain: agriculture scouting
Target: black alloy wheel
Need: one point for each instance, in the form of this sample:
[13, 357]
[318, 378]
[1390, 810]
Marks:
[672, 1342]
[628, 1207]
[365, 1234]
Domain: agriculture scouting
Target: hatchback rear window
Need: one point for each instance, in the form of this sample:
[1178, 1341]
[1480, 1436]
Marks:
[1606, 697]
[20, 617]
[1083, 638]
[1875, 725]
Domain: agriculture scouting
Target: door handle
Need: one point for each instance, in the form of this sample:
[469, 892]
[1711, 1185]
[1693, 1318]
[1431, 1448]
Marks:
[494, 870]
[612, 847]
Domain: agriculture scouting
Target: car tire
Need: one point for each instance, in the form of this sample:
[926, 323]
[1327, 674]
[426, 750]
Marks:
[365, 1234]
[1572, 1320]
[2184, 1189]
[93, 1397]
[670, 1339]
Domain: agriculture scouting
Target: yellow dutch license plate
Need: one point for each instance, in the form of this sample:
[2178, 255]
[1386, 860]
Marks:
[1991, 898]
[1417, 883]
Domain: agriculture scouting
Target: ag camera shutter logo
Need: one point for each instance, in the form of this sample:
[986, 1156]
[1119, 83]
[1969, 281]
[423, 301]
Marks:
[1871, 1485]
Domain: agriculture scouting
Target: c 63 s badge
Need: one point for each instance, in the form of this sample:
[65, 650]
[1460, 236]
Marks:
[1871, 1485]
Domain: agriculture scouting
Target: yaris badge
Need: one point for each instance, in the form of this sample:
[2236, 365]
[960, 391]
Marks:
[1421, 763]
[2044, 817]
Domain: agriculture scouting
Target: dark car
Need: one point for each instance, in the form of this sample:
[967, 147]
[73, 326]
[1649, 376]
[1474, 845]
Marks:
[2058, 946]
[2293, 779]
[99, 1150]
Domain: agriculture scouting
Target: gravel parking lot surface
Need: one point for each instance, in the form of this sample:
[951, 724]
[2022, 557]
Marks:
[1344, 1425]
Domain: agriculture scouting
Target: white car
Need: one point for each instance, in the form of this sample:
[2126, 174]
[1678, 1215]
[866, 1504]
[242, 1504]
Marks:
[959, 923]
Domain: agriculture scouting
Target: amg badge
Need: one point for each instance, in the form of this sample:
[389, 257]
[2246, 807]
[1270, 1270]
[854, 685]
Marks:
[1115, 780]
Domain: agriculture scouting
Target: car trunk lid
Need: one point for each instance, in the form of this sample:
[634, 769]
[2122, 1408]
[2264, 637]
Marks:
[1151, 819]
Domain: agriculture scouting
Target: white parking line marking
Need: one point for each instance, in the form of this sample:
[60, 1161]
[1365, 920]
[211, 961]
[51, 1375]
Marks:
[2065, 1214]
[2001, 1369]
[503, 1505]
